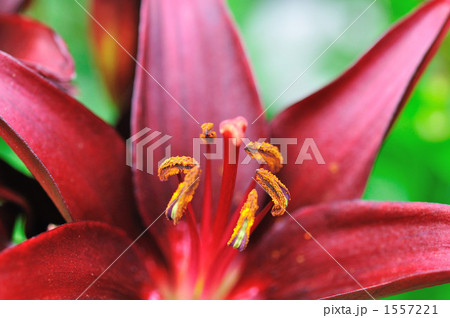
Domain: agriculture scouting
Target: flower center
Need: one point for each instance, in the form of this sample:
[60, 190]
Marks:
[221, 231]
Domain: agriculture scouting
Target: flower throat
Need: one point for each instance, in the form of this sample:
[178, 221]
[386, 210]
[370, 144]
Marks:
[221, 231]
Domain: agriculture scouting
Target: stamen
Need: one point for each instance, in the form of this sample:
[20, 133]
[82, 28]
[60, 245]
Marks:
[185, 191]
[208, 134]
[176, 165]
[183, 195]
[241, 233]
[265, 153]
[278, 192]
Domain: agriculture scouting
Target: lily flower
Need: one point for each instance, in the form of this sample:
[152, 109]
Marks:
[219, 240]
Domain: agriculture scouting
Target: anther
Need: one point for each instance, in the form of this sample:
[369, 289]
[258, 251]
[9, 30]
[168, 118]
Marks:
[176, 165]
[241, 233]
[208, 134]
[266, 153]
[277, 190]
[185, 191]
[183, 195]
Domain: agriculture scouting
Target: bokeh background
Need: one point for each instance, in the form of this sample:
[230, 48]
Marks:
[283, 38]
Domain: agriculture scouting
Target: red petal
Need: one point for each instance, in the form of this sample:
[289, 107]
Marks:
[120, 18]
[39, 47]
[193, 50]
[11, 6]
[387, 247]
[25, 195]
[78, 159]
[9, 209]
[7, 220]
[349, 118]
[62, 263]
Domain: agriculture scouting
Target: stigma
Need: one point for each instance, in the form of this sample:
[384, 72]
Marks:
[234, 129]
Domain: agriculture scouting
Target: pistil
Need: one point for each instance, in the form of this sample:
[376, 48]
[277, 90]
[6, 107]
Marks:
[233, 131]
[215, 242]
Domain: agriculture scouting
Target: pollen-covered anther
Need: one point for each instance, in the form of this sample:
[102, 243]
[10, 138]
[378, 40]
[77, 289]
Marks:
[278, 192]
[176, 165]
[266, 153]
[234, 128]
[241, 233]
[183, 195]
[208, 134]
[185, 191]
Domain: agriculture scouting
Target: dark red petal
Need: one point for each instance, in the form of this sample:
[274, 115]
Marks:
[39, 47]
[10, 206]
[62, 263]
[11, 6]
[120, 18]
[7, 220]
[25, 195]
[387, 247]
[193, 50]
[78, 159]
[349, 118]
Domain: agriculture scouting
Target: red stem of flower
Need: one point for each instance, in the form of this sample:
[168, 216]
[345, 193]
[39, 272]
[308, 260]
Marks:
[195, 240]
[192, 222]
[260, 216]
[226, 254]
[230, 167]
[218, 268]
[207, 200]
[195, 243]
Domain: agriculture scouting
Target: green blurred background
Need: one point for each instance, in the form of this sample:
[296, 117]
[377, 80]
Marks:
[283, 38]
